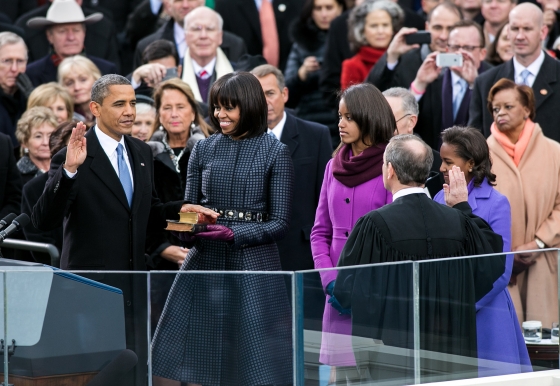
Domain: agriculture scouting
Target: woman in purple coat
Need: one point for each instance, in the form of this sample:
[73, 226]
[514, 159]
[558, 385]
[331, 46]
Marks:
[499, 336]
[352, 187]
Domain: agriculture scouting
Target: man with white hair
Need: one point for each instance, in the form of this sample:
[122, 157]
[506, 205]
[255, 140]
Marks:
[13, 99]
[204, 61]
[530, 66]
[232, 45]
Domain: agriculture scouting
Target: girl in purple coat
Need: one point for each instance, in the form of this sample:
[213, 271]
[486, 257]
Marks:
[352, 187]
[499, 336]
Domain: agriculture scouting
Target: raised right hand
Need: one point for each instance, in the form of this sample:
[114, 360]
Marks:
[427, 73]
[398, 45]
[77, 151]
[151, 73]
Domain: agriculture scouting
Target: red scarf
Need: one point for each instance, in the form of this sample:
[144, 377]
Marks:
[370, 55]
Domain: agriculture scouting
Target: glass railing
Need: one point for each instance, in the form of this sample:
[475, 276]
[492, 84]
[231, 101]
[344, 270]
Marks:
[387, 324]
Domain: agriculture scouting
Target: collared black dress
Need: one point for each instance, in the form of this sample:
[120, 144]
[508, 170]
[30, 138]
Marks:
[414, 228]
[232, 328]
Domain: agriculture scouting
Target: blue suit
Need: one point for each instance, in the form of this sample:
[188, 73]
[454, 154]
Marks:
[499, 336]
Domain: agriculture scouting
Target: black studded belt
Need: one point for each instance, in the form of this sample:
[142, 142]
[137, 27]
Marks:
[242, 215]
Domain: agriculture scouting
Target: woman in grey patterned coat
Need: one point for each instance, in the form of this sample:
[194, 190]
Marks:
[232, 328]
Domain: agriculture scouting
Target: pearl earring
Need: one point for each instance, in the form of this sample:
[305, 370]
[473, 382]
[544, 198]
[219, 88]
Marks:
[470, 170]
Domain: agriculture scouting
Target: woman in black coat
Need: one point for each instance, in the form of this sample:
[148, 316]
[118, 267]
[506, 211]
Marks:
[309, 34]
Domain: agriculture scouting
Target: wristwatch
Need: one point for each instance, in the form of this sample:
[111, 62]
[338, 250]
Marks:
[539, 242]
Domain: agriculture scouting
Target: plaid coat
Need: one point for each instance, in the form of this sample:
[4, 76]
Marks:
[229, 328]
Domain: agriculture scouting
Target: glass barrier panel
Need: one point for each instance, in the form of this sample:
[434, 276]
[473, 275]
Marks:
[221, 328]
[72, 328]
[358, 325]
[478, 319]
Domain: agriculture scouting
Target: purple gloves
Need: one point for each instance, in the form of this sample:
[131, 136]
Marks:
[216, 233]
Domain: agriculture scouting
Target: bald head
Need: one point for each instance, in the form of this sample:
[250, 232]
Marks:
[527, 11]
[526, 32]
[410, 158]
[203, 13]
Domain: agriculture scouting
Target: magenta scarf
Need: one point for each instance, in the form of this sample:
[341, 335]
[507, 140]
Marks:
[353, 171]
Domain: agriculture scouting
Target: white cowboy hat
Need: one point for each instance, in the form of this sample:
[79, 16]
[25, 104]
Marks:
[61, 12]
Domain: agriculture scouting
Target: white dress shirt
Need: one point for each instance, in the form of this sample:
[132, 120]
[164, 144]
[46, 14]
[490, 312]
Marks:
[179, 36]
[155, 6]
[533, 68]
[209, 67]
[407, 191]
[279, 128]
[109, 146]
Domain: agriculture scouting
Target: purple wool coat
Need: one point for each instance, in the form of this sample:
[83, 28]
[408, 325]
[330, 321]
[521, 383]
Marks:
[499, 336]
[339, 208]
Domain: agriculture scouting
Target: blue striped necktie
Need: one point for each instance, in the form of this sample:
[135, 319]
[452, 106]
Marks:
[124, 175]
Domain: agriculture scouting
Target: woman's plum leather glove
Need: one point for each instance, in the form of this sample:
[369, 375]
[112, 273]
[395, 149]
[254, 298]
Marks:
[216, 233]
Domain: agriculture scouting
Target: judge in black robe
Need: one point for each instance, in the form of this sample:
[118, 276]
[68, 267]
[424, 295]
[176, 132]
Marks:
[415, 228]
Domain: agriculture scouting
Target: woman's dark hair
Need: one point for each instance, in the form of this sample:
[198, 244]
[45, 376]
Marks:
[60, 136]
[470, 144]
[371, 112]
[525, 93]
[307, 9]
[243, 90]
[492, 55]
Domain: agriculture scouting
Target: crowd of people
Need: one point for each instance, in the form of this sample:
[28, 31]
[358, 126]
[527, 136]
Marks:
[296, 124]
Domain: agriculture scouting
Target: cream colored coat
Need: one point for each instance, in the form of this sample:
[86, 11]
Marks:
[533, 190]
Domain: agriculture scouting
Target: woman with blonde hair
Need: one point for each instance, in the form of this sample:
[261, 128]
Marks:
[178, 127]
[33, 132]
[56, 98]
[77, 74]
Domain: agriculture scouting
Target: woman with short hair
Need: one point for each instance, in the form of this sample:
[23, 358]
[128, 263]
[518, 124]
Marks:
[56, 98]
[371, 27]
[526, 164]
[34, 129]
[352, 187]
[232, 329]
[78, 74]
[498, 333]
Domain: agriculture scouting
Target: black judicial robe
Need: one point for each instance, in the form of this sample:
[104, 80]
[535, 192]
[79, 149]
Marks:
[410, 229]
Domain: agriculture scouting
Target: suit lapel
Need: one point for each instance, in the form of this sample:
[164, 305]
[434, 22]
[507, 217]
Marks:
[249, 8]
[547, 75]
[290, 134]
[102, 167]
[138, 164]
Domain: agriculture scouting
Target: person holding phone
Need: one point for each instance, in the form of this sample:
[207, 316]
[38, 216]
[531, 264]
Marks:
[372, 25]
[444, 91]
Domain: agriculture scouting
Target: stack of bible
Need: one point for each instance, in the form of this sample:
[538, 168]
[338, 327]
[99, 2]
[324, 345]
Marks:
[190, 222]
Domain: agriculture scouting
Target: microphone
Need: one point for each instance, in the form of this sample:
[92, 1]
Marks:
[112, 374]
[18, 223]
[7, 220]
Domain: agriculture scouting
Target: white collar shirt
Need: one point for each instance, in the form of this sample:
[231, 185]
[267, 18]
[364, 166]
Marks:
[407, 191]
[179, 36]
[533, 68]
[109, 146]
[279, 128]
[209, 67]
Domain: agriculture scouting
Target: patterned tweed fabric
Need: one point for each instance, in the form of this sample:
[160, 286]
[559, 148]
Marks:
[232, 329]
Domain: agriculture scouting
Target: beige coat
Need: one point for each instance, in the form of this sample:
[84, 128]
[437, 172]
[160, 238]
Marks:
[533, 190]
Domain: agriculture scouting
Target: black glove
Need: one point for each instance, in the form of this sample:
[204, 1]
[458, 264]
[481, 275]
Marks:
[24, 84]
[334, 303]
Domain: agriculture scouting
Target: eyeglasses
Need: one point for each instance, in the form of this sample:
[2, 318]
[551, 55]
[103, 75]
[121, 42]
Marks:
[197, 29]
[10, 62]
[455, 48]
[401, 118]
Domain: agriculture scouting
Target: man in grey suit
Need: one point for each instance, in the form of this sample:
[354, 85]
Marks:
[530, 65]
[310, 148]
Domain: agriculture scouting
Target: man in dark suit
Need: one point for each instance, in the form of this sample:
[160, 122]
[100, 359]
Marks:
[310, 147]
[530, 66]
[66, 38]
[444, 94]
[232, 45]
[405, 109]
[241, 17]
[103, 31]
[398, 66]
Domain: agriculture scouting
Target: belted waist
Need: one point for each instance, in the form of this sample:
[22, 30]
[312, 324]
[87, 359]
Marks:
[241, 215]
